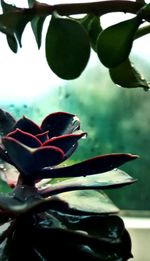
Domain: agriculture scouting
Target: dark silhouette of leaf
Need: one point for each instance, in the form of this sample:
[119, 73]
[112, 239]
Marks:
[37, 27]
[7, 122]
[13, 22]
[92, 24]
[12, 42]
[67, 47]
[126, 75]
[7, 7]
[91, 166]
[115, 42]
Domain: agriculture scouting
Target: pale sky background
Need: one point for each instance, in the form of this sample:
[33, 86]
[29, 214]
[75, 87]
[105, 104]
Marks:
[26, 76]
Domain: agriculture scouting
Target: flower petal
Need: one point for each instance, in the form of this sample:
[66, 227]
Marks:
[25, 138]
[43, 136]
[27, 125]
[29, 160]
[91, 166]
[64, 142]
[60, 123]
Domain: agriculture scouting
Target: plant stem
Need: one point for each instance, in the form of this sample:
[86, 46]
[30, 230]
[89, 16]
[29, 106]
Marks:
[97, 8]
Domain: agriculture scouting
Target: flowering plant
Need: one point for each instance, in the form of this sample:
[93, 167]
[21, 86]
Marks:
[71, 215]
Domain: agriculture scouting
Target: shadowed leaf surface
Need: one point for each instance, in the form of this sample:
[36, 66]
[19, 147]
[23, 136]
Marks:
[67, 47]
[92, 24]
[60, 123]
[126, 75]
[91, 166]
[89, 202]
[7, 122]
[115, 42]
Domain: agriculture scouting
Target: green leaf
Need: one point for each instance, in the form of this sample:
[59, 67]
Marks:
[7, 7]
[144, 12]
[37, 26]
[31, 2]
[127, 76]
[13, 23]
[88, 202]
[92, 24]
[115, 42]
[67, 47]
[12, 42]
[111, 179]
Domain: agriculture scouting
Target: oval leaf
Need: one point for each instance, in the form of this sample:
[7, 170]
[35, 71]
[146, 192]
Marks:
[67, 48]
[115, 42]
[126, 75]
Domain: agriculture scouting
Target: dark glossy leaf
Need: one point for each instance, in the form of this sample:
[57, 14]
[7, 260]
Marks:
[105, 226]
[115, 42]
[67, 48]
[29, 160]
[92, 24]
[60, 123]
[126, 246]
[91, 166]
[25, 138]
[108, 180]
[37, 27]
[127, 76]
[7, 7]
[77, 244]
[7, 122]
[12, 42]
[89, 202]
[43, 136]
[27, 125]
[64, 142]
[13, 22]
